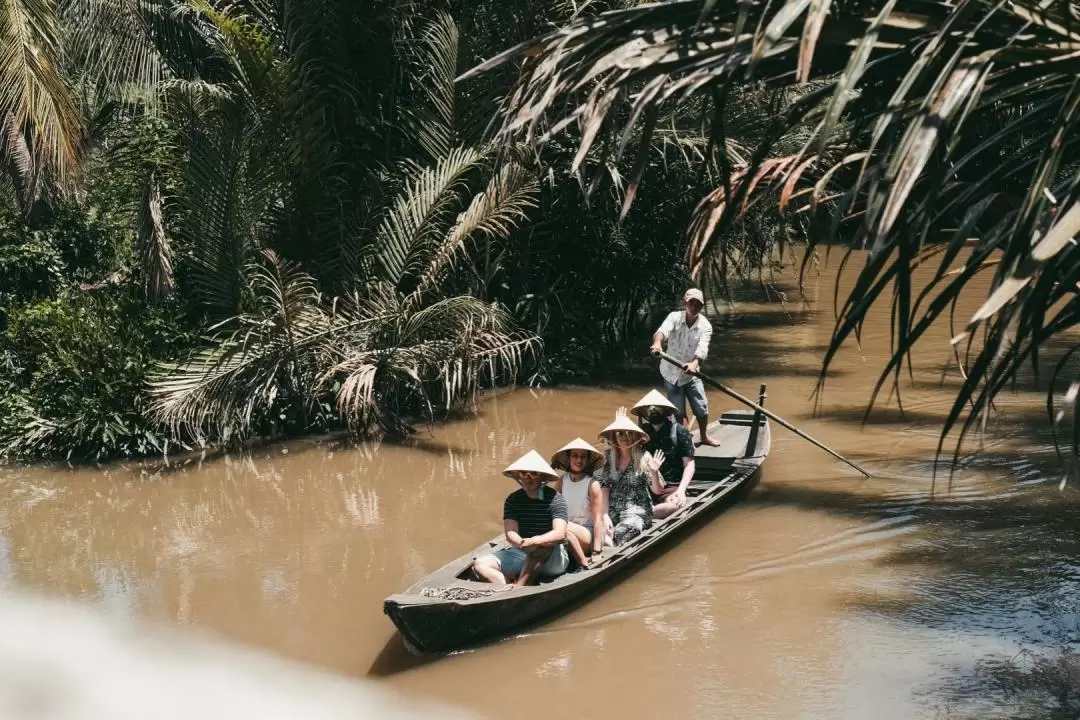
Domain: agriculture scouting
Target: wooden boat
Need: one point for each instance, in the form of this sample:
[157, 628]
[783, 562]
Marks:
[449, 609]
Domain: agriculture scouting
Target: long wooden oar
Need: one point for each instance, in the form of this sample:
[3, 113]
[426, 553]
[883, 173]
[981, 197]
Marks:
[750, 403]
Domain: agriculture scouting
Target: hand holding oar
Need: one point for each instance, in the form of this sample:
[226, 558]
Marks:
[750, 403]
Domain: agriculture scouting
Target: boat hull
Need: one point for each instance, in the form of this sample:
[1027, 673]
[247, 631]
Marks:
[444, 627]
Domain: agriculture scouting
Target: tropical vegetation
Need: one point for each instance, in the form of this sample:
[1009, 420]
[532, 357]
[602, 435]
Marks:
[227, 220]
[941, 133]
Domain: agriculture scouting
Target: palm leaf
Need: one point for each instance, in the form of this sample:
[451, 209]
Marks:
[225, 390]
[914, 87]
[126, 49]
[389, 355]
[233, 175]
[432, 113]
[34, 97]
[492, 214]
[22, 171]
[413, 225]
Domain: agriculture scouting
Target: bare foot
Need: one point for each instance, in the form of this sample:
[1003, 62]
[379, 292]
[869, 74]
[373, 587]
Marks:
[709, 441]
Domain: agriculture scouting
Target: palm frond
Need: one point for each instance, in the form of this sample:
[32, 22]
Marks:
[126, 49]
[390, 356]
[414, 224]
[233, 174]
[267, 361]
[220, 210]
[34, 97]
[487, 345]
[196, 93]
[493, 213]
[432, 113]
[714, 206]
[22, 170]
[908, 86]
[348, 95]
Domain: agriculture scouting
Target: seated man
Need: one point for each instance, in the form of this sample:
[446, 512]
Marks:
[676, 446]
[534, 519]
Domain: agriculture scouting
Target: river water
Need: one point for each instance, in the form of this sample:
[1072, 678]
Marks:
[820, 595]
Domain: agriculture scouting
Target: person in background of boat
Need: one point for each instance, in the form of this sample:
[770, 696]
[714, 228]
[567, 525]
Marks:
[534, 519]
[584, 499]
[687, 333]
[625, 480]
[673, 440]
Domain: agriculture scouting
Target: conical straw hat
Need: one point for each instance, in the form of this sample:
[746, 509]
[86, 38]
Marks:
[622, 423]
[531, 462]
[653, 397]
[561, 459]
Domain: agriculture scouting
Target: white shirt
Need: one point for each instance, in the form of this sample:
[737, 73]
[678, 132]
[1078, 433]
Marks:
[684, 343]
[576, 495]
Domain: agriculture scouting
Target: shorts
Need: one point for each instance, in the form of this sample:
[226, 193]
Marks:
[511, 561]
[586, 523]
[694, 391]
[660, 499]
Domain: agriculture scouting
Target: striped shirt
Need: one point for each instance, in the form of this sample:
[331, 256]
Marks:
[535, 516]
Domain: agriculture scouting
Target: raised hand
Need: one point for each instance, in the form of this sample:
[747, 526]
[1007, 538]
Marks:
[653, 462]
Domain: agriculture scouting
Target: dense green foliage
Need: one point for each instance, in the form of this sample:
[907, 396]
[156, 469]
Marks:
[73, 375]
[937, 127]
[262, 217]
[265, 218]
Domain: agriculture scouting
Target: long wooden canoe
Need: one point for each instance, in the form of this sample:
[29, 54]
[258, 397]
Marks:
[449, 609]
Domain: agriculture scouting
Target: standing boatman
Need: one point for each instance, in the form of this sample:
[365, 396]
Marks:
[687, 333]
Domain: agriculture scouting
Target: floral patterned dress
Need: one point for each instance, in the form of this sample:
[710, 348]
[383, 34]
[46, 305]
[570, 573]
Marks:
[629, 503]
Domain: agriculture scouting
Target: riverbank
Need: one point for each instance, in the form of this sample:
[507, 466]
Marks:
[626, 365]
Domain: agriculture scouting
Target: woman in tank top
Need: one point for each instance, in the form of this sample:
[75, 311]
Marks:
[577, 461]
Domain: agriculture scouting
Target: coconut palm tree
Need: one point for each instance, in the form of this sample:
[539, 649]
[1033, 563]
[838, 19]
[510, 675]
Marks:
[958, 120]
[377, 356]
[336, 70]
[399, 338]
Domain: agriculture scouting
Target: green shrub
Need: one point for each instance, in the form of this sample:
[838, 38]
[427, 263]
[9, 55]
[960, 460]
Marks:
[30, 268]
[70, 246]
[74, 371]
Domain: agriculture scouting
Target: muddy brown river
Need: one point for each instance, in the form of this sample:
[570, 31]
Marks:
[818, 595]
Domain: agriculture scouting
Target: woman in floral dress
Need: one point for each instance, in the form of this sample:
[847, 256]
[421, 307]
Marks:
[625, 478]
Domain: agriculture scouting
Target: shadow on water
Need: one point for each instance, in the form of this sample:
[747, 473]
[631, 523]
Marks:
[765, 319]
[396, 658]
[437, 447]
[996, 565]
[994, 553]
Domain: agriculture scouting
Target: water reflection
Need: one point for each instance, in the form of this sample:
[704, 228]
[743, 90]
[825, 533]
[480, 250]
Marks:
[817, 594]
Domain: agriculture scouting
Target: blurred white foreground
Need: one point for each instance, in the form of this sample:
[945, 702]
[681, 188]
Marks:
[61, 660]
